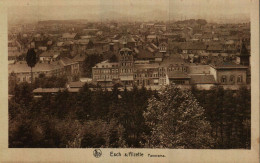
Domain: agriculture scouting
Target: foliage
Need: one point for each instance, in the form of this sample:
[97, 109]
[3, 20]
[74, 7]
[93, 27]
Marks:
[89, 62]
[228, 114]
[177, 121]
[31, 58]
[138, 118]
[90, 44]
[50, 82]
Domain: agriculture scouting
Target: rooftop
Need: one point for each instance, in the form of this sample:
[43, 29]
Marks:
[69, 35]
[177, 75]
[49, 54]
[228, 65]
[67, 61]
[202, 79]
[22, 67]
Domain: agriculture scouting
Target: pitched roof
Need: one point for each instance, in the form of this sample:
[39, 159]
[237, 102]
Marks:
[125, 49]
[69, 35]
[48, 90]
[126, 39]
[158, 55]
[151, 37]
[199, 69]
[145, 54]
[49, 54]
[79, 58]
[202, 79]
[228, 65]
[77, 84]
[173, 59]
[214, 47]
[14, 53]
[148, 65]
[39, 67]
[177, 75]
[67, 61]
[192, 46]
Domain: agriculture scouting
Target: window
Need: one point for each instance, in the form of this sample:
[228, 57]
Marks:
[232, 79]
[223, 79]
[239, 79]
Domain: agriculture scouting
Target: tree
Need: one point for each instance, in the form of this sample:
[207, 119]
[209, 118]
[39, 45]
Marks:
[31, 60]
[90, 44]
[177, 121]
[90, 62]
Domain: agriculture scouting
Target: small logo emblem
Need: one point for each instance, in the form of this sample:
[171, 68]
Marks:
[97, 153]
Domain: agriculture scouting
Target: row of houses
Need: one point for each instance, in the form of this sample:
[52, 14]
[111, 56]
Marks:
[63, 67]
[172, 70]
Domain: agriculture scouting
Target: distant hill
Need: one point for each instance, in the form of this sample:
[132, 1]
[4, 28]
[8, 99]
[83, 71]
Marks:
[63, 21]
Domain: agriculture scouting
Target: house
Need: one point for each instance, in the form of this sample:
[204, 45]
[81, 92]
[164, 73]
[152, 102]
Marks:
[192, 47]
[204, 82]
[158, 57]
[229, 73]
[49, 56]
[13, 55]
[105, 73]
[171, 64]
[68, 36]
[127, 41]
[23, 72]
[151, 38]
[71, 67]
[176, 77]
[199, 69]
[215, 48]
[80, 58]
[146, 74]
[163, 47]
[77, 84]
[144, 54]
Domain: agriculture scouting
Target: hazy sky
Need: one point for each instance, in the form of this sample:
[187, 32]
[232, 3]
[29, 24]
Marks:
[128, 9]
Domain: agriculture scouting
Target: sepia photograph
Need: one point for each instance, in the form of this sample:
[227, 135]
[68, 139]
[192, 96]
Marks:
[167, 74]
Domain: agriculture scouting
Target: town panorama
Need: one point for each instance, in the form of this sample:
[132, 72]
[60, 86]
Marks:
[163, 84]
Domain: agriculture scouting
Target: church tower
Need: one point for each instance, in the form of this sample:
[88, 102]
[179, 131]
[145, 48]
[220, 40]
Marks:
[244, 55]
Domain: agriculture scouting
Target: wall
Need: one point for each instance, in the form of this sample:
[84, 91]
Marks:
[228, 73]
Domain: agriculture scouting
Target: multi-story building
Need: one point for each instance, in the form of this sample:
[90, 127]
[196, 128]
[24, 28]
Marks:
[71, 68]
[229, 74]
[22, 71]
[105, 73]
[126, 66]
[146, 74]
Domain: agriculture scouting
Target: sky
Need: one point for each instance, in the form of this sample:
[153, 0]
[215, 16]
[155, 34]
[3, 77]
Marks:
[143, 10]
